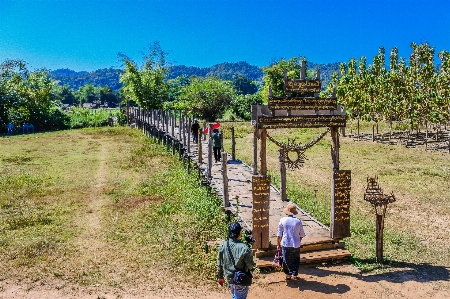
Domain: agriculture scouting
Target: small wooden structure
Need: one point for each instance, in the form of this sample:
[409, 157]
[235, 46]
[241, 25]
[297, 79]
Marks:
[300, 108]
[374, 194]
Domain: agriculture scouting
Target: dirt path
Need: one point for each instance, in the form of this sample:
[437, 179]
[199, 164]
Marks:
[318, 282]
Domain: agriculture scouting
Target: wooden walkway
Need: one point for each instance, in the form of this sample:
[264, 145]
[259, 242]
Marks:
[316, 246]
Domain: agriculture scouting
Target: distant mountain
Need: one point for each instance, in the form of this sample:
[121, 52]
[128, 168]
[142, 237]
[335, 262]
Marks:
[103, 77]
[227, 70]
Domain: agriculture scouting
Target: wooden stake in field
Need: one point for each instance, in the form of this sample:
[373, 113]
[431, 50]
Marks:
[374, 195]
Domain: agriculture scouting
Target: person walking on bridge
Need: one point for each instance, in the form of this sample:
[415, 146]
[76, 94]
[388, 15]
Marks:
[289, 237]
[217, 144]
[194, 129]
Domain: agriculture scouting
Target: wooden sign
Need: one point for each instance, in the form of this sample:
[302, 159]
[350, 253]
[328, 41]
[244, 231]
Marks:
[302, 103]
[340, 204]
[302, 86]
[301, 121]
[261, 207]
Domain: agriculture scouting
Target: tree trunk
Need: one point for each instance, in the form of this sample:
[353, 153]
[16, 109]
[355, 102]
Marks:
[373, 132]
[358, 127]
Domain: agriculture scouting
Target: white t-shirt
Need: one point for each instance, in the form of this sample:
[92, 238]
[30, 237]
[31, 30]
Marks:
[291, 230]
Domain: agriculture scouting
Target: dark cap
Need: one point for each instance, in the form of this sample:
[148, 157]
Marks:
[234, 230]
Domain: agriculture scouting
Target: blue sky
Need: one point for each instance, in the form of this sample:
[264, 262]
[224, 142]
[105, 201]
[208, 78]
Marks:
[88, 34]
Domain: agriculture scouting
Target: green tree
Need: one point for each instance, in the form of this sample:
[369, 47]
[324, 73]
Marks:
[244, 85]
[274, 75]
[107, 96]
[206, 98]
[146, 86]
[29, 97]
[241, 104]
[444, 85]
[86, 94]
[66, 95]
[423, 85]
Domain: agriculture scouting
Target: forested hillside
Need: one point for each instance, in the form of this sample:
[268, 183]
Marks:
[103, 77]
[110, 77]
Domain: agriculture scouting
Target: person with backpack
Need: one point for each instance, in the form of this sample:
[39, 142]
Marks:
[217, 144]
[235, 257]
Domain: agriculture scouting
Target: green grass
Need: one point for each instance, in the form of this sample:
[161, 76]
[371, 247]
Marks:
[415, 230]
[103, 206]
[151, 216]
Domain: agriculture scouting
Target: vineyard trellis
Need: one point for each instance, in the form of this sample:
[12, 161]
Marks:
[417, 92]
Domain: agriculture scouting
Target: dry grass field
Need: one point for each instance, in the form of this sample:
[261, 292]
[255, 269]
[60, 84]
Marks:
[105, 213]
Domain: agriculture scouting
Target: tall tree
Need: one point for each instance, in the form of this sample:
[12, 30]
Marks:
[244, 85]
[206, 98]
[86, 94]
[146, 86]
[274, 75]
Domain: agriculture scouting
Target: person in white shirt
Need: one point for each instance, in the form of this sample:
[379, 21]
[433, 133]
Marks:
[289, 237]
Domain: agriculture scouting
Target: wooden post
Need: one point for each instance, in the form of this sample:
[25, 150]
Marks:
[184, 128]
[373, 132]
[173, 115]
[210, 151]
[379, 236]
[282, 174]
[233, 145]
[128, 113]
[262, 153]
[188, 164]
[157, 118]
[340, 204]
[179, 127]
[200, 153]
[204, 129]
[358, 126]
[189, 136]
[226, 202]
[166, 118]
[172, 138]
[335, 147]
[261, 207]
[255, 151]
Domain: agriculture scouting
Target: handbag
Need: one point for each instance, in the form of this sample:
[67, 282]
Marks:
[240, 277]
[278, 259]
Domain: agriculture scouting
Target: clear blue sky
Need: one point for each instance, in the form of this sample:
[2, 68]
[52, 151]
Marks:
[88, 34]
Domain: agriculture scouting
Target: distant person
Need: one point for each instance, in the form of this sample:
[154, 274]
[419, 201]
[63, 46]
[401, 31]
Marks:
[217, 144]
[110, 120]
[10, 128]
[194, 130]
[30, 128]
[289, 237]
[234, 255]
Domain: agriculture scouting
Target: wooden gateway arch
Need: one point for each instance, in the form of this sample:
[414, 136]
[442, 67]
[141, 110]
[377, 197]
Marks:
[301, 107]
